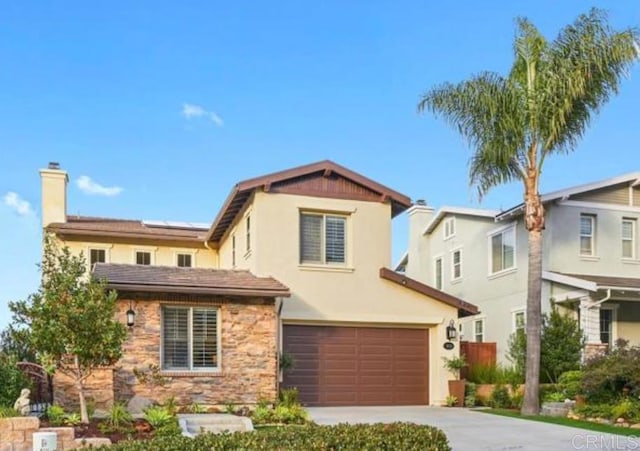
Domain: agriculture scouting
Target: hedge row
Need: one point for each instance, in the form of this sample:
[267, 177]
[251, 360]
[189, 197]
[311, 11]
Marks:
[395, 436]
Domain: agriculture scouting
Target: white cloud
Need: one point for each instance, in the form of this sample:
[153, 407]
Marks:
[88, 186]
[17, 204]
[191, 111]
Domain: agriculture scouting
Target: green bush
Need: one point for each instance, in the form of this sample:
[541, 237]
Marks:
[606, 376]
[546, 390]
[554, 396]
[12, 380]
[344, 437]
[8, 412]
[570, 383]
[594, 411]
[627, 408]
[55, 415]
[500, 398]
[470, 392]
[157, 416]
[118, 417]
[494, 374]
[289, 397]
[72, 419]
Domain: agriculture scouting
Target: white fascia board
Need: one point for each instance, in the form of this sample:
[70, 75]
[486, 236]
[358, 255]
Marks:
[570, 281]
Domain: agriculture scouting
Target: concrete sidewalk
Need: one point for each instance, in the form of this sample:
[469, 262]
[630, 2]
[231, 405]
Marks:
[470, 430]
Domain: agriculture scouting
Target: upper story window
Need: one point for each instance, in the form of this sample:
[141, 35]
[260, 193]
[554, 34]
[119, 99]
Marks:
[628, 238]
[449, 228]
[97, 256]
[248, 233]
[456, 264]
[233, 250]
[184, 260]
[587, 235]
[478, 331]
[323, 238]
[190, 338]
[143, 258]
[503, 249]
[438, 273]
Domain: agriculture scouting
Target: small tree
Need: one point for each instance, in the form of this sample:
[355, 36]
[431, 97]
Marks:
[71, 319]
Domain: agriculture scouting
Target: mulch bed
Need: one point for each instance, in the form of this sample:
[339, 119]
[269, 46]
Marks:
[139, 430]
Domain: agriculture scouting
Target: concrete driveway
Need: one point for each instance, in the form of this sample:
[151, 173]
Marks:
[470, 430]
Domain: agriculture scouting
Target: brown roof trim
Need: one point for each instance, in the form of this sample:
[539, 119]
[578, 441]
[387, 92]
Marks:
[63, 231]
[464, 308]
[158, 288]
[241, 192]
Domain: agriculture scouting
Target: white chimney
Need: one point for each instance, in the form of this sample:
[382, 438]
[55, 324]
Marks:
[420, 214]
[54, 194]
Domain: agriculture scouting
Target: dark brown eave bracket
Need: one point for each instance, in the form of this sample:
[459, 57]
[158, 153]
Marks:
[464, 308]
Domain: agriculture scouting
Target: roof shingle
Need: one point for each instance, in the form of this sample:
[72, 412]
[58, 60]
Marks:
[188, 280]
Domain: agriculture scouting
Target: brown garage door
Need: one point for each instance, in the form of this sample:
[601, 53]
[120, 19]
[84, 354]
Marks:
[358, 365]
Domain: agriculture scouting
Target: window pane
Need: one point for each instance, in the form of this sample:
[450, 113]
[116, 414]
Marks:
[205, 338]
[508, 249]
[97, 256]
[335, 239]
[605, 325]
[143, 258]
[627, 249]
[439, 274]
[627, 230]
[496, 253]
[310, 238]
[175, 338]
[585, 245]
[184, 260]
[586, 225]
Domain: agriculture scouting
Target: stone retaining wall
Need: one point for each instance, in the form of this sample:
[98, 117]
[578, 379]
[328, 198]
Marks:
[16, 434]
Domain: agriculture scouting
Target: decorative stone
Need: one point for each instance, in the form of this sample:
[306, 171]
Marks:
[635, 426]
[138, 404]
[22, 403]
[620, 420]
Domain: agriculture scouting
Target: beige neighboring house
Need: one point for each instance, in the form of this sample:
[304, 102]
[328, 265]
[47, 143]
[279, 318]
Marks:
[591, 261]
[295, 262]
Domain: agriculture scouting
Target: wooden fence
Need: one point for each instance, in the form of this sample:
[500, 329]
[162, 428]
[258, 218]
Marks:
[477, 353]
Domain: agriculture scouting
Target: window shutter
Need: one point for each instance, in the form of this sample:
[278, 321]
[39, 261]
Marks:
[205, 338]
[310, 238]
[175, 338]
[335, 239]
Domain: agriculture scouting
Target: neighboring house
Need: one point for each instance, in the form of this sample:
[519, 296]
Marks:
[591, 261]
[295, 261]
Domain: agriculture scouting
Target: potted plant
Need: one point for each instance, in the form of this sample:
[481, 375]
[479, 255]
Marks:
[456, 386]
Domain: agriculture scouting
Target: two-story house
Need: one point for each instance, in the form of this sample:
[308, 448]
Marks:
[591, 262]
[297, 262]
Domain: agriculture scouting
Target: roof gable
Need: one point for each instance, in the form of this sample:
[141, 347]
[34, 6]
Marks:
[322, 179]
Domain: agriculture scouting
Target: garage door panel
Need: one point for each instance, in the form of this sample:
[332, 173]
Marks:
[358, 365]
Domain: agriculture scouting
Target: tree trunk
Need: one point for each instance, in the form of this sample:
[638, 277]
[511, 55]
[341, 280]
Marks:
[84, 415]
[534, 222]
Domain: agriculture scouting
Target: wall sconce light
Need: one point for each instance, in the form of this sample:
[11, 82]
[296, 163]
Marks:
[131, 316]
[452, 333]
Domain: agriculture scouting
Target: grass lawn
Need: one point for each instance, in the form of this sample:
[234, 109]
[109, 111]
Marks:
[606, 428]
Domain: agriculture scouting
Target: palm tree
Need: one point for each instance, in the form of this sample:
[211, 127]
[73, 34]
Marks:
[542, 107]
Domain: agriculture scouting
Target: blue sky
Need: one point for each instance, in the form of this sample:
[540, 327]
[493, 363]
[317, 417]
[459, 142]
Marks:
[174, 104]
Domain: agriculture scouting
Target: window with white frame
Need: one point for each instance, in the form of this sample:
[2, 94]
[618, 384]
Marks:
[478, 330]
[503, 250]
[606, 326]
[190, 338]
[456, 264]
[628, 238]
[323, 239]
[248, 233]
[449, 227]
[519, 320]
[143, 258]
[587, 234]
[97, 256]
[437, 267]
[184, 260]
[233, 250]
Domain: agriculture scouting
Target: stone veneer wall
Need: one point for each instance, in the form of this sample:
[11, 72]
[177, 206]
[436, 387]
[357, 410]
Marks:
[248, 352]
[16, 434]
[98, 388]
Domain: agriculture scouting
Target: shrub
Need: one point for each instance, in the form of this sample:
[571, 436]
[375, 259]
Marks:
[294, 414]
[262, 415]
[171, 404]
[197, 408]
[500, 398]
[494, 374]
[451, 400]
[470, 394]
[55, 415]
[157, 416]
[289, 397]
[605, 376]
[72, 419]
[570, 383]
[594, 411]
[13, 380]
[8, 412]
[118, 417]
[404, 436]
[555, 396]
[626, 408]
